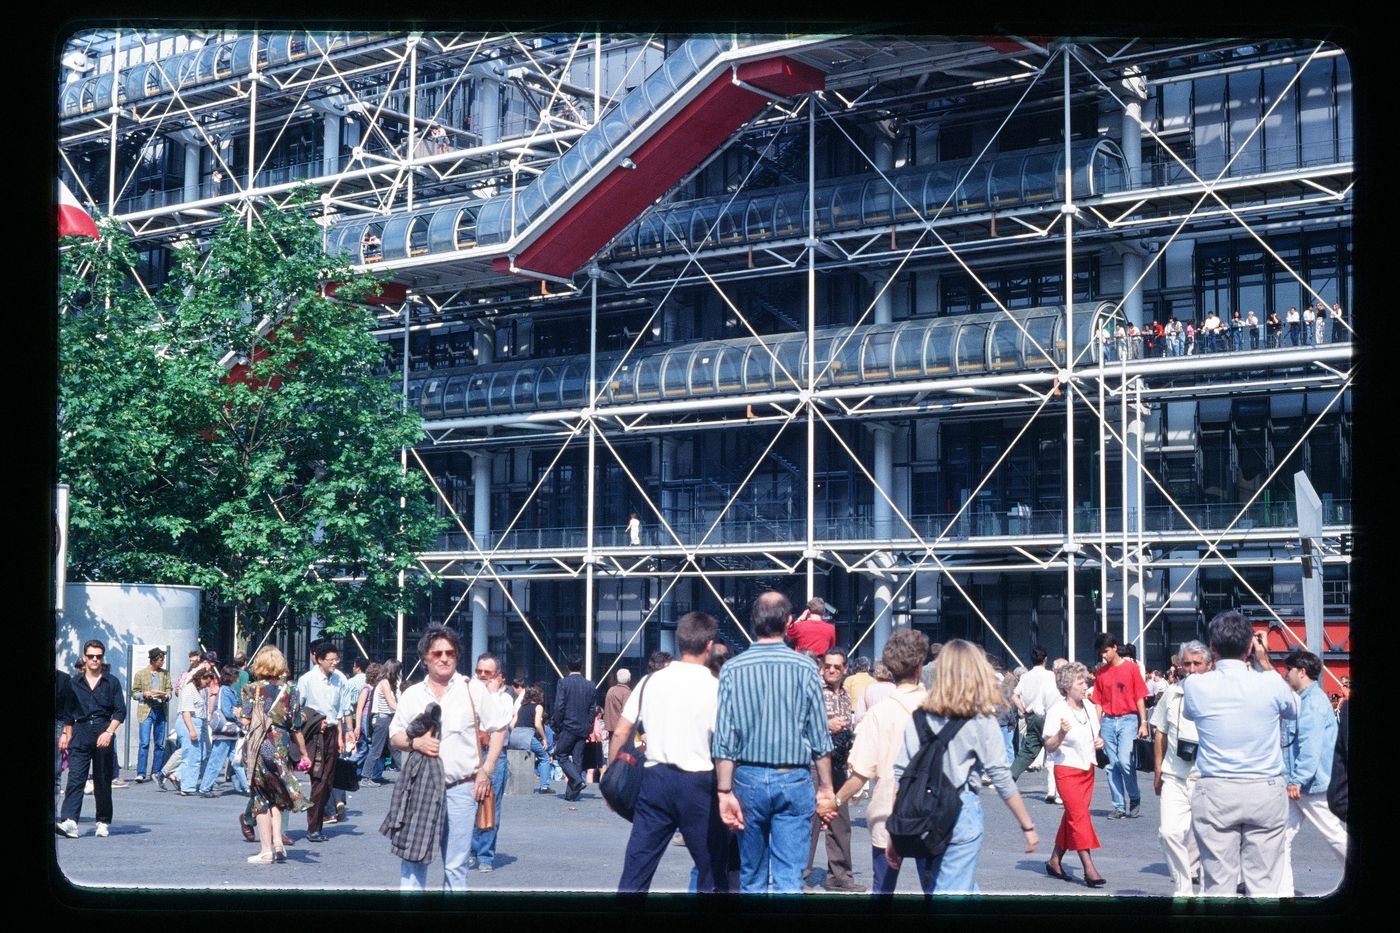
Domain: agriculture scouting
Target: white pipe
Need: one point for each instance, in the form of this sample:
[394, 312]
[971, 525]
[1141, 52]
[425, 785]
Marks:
[1068, 213]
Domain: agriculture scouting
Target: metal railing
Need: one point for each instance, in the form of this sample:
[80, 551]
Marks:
[980, 524]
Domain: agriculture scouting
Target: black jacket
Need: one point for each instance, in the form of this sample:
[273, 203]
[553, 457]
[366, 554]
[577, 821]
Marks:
[1337, 789]
[573, 705]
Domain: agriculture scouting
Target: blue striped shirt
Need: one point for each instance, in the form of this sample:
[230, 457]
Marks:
[770, 709]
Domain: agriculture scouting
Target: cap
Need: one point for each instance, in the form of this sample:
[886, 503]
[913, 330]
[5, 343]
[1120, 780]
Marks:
[211, 656]
[155, 653]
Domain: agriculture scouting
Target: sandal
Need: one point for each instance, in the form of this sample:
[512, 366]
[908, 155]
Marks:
[279, 855]
[262, 858]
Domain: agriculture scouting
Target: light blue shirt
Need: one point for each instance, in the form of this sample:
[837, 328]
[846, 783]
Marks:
[1309, 742]
[325, 695]
[1237, 711]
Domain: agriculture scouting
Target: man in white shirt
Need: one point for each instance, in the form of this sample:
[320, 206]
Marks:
[1034, 695]
[1174, 771]
[675, 709]
[1239, 806]
[323, 689]
[466, 706]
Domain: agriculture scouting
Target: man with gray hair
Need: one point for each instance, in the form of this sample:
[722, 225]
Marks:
[1174, 771]
[613, 703]
[1239, 806]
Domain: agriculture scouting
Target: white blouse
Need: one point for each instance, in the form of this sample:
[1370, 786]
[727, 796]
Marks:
[1077, 748]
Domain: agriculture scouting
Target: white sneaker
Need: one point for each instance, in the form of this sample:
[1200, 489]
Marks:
[102, 831]
[67, 828]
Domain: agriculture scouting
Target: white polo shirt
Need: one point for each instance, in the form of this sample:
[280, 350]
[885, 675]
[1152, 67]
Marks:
[677, 707]
[1037, 690]
[458, 751]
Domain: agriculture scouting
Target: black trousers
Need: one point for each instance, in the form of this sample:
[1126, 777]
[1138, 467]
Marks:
[85, 756]
[672, 799]
[568, 748]
[321, 782]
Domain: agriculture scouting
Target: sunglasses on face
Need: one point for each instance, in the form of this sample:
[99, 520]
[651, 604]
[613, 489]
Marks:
[93, 657]
[833, 667]
[484, 672]
[447, 653]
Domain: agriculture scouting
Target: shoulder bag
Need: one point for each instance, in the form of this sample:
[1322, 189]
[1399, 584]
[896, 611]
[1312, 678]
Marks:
[622, 781]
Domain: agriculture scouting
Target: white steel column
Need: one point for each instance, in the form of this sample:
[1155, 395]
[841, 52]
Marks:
[883, 313]
[1134, 93]
[1067, 211]
[403, 468]
[488, 99]
[1134, 494]
[481, 528]
[191, 147]
[591, 531]
[254, 79]
[330, 141]
[1132, 270]
[115, 113]
[810, 552]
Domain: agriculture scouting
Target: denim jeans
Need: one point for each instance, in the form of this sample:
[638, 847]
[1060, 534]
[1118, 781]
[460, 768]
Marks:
[484, 840]
[152, 733]
[523, 738]
[883, 878]
[1008, 733]
[220, 752]
[373, 768]
[778, 808]
[459, 818]
[955, 871]
[192, 754]
[1118, 735]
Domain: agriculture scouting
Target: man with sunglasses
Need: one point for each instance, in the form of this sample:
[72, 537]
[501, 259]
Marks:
[1174, 771]
[466, 707]
[488, 674]
[840, 722]
[96, 708]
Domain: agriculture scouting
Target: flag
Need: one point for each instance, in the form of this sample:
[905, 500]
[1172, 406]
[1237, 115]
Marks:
[72, 219]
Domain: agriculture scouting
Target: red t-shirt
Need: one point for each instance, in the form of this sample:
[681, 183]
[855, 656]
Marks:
[812, 634]
[1118, 687]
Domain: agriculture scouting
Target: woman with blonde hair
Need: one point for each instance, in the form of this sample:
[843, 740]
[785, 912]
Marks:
[273, 718]
[964, 688]
[1071, 735]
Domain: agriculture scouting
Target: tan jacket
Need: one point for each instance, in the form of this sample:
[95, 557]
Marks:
[142, 681]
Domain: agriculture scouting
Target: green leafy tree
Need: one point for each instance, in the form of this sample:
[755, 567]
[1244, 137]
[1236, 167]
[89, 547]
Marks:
[229, 431]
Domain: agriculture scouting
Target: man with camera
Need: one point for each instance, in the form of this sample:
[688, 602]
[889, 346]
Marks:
[1174, 771]
[1239, 807]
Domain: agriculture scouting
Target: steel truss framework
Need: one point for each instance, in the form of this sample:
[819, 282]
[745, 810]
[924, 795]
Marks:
[381, 180]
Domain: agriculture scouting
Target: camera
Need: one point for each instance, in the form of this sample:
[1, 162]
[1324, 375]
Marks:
[1185, 750]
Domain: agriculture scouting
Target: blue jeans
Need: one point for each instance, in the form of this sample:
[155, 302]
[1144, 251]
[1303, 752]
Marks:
[459, 818]
[778, 808]
[1118, 735]
[192, 754]
[525, 739]
[378, 742]
[1009, 733]
[955, 871]
[884, 878]
[152, 733]
[220, 751]
[484, 840]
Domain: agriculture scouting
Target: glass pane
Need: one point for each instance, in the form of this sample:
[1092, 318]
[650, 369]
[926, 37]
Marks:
[1281, 127]
[1005, 344]
[875, 356]
[938, 349]
[909, 351]
[1209, 112]
[971, 352]
[1244, 116]
[1318, 130]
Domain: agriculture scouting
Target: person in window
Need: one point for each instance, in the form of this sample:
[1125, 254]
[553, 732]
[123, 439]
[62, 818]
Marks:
[1236, 332]
[1309, 320]
[1294, 327]
[1252, 322]
[1274, 326]
[1339, 330]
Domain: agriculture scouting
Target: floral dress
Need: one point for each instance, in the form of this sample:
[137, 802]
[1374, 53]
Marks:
[272, 779]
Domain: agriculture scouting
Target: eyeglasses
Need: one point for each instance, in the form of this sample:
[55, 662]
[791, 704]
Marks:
[93, 657]
[444, 653]
[485, 672]
[833, 667]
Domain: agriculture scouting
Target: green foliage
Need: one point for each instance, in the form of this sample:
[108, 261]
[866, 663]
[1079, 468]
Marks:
[262, 488]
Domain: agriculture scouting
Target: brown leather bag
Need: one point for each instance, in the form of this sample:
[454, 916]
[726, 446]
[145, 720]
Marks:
[486, 810]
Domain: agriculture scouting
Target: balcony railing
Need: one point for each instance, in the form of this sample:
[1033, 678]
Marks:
[1209, 517]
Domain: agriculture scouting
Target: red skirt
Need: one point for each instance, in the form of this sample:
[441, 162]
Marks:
[1076, 789]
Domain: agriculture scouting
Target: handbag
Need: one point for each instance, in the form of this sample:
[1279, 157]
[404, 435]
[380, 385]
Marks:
[1100, 756]
[345, 777]
[622, 781]
[486, 810]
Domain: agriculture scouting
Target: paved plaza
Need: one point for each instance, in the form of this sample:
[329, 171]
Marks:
[162, 840]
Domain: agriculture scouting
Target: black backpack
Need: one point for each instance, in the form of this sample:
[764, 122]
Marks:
[927, 805]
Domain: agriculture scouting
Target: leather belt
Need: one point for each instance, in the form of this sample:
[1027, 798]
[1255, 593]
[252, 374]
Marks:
[467, 779]
[755, 764]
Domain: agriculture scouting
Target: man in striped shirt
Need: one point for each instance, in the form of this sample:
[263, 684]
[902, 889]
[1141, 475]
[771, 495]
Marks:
[770, 726]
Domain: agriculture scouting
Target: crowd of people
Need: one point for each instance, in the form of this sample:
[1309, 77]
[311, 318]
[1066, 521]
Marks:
[1314, 325]
[753, 757]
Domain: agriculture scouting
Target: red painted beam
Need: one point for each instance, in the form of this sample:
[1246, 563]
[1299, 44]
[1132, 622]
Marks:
[674, 149]
[390, 293]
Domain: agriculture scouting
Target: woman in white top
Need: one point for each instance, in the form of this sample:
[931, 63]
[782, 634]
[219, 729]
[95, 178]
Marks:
[1071, 735]
[384, 700]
